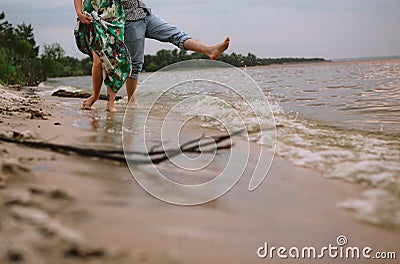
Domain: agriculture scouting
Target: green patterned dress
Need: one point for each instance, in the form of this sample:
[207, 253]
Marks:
[105, 36]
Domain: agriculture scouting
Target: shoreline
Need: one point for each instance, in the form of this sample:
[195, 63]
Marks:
[327, 61]
[69, 209]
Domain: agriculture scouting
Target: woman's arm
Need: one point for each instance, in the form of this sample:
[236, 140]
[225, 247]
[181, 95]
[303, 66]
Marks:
[78, 8]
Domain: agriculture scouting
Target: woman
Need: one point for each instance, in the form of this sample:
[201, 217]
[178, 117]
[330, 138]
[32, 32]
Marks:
[100, 34]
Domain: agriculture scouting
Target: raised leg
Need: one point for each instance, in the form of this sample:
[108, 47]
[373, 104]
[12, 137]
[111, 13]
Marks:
[161, 30]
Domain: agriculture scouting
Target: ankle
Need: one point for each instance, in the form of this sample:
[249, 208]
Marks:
[111, 106]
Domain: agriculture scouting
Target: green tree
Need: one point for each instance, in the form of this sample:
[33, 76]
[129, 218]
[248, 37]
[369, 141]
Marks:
[86, 66]
[52, 60]
[71, 66]
[152, 67]
[53, 52]
[24, 33]
[19, 62]
[8, 70]
[182, 55]
[6, 32]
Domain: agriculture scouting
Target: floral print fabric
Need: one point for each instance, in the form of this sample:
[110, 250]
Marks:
[105, 36]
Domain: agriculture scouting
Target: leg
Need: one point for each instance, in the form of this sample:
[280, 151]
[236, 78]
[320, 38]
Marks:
[110, 100]
[97, 80]
[135, 40]
[159, 29]
[131, 85]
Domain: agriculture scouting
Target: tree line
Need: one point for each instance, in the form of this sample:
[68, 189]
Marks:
[166, 57]
[21, 63]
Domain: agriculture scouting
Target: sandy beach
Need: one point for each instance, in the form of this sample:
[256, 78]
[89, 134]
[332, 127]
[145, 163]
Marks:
[57, 208]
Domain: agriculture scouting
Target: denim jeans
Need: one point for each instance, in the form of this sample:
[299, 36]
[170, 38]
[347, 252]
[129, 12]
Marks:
[153, 27]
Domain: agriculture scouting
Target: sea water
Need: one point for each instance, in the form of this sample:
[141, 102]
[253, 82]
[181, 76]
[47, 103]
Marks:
[340, 118]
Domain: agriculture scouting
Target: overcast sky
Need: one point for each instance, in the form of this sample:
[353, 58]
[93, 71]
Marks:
[268, 28]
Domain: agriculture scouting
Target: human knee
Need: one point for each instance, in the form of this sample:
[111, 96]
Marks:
[179, 39]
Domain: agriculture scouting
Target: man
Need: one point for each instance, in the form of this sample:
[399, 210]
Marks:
[142, 23]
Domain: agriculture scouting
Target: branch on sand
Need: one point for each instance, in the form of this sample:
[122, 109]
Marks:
[152, 157]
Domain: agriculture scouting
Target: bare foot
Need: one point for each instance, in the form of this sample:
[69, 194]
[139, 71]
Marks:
[218, 49]
[134, 104]
[87, 104]
[111, 107]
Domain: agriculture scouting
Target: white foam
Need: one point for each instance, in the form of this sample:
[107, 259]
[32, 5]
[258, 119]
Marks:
[377, 207]
[256, 118]
[359, 157]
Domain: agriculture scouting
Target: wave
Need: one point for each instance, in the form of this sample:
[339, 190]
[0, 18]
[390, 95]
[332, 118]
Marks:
[367, 158]
[360, 157]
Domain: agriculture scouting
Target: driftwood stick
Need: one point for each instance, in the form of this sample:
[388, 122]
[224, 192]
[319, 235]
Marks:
[119, 156]
[185, 147]
[62, 148]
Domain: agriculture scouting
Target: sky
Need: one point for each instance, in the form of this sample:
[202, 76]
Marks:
[267, 28]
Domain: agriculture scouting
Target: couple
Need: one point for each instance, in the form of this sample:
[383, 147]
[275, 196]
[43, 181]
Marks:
[106, 25]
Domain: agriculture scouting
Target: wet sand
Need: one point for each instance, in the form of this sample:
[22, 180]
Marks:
[56, 208]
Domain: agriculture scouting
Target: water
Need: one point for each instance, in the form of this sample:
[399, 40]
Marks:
[340, 118]
[363, 94]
